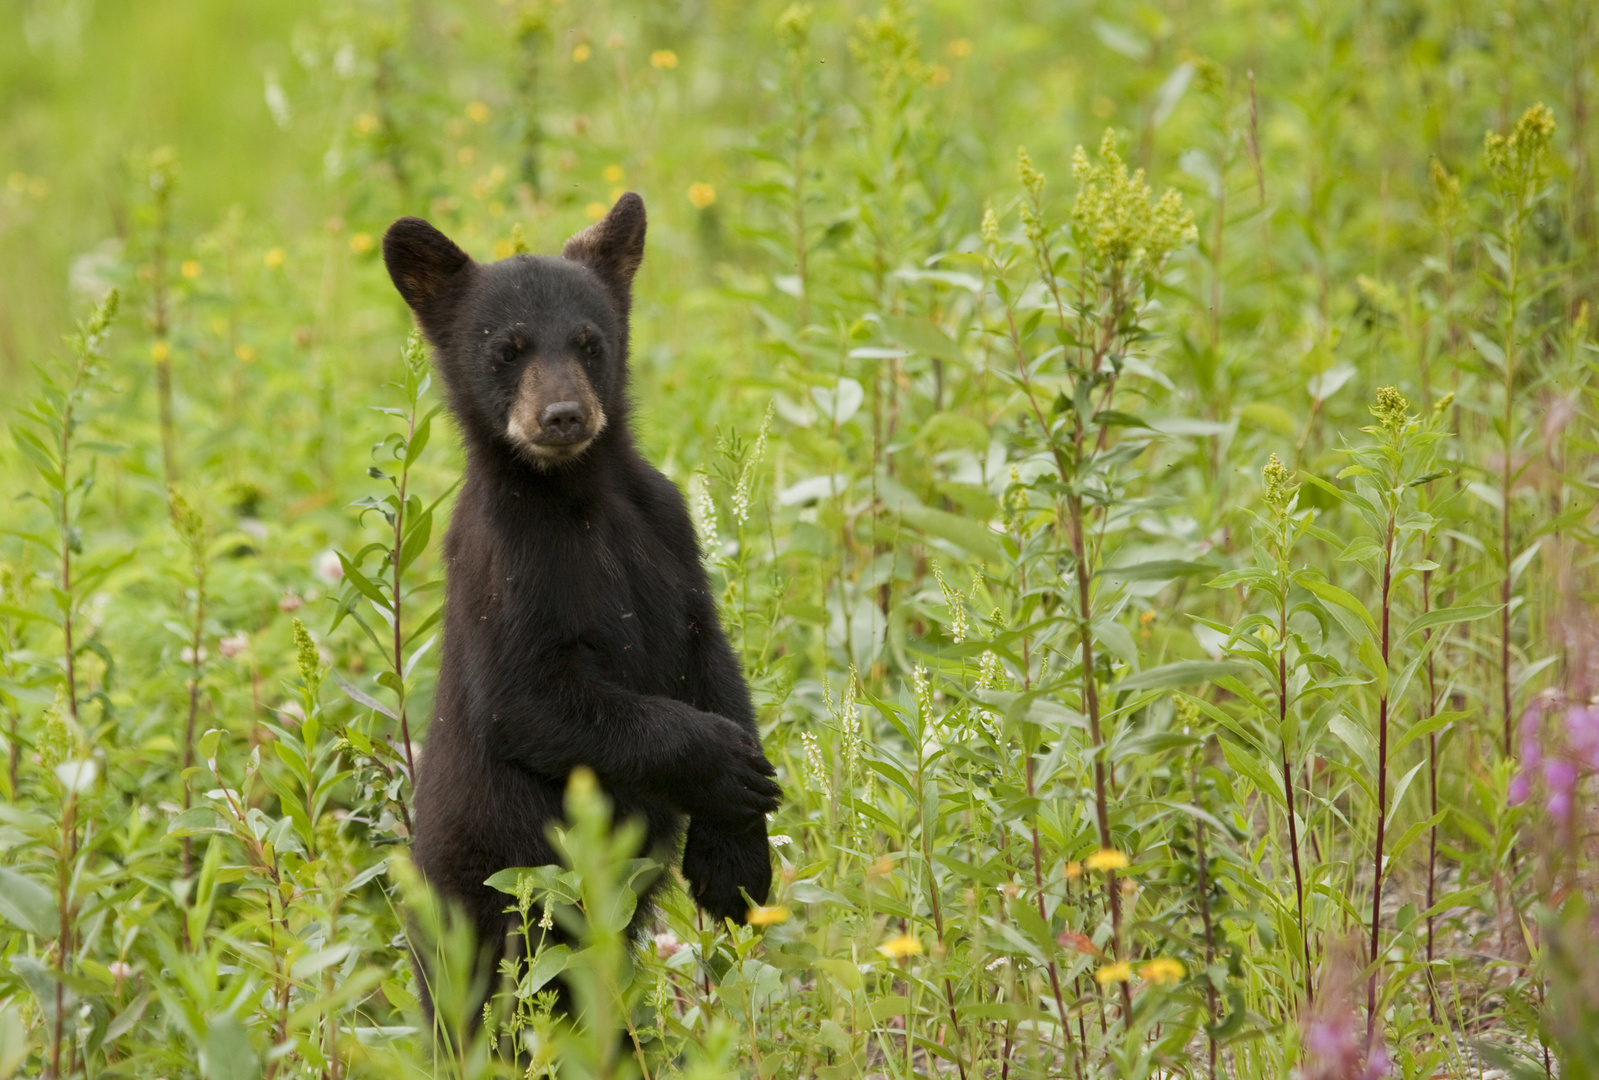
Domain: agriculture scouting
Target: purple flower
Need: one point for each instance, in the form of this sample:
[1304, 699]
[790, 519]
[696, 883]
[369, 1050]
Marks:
[1520, 788]
[1582, 734]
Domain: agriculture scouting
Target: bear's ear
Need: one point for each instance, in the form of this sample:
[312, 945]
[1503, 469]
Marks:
[425, 265]
[613, 247]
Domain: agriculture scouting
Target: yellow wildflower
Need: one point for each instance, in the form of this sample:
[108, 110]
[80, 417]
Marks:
[274, 258]
[466, 155]
[760, 915]
[902, 946]
[1114, 973]
[613, 174]
[1106, 859]
[477, 112]
[1074, 870]
[245, 353]
[959, 49]
[663, 59]
[581, 52]
[160, 351]
[594, 211]
[701, 195]
[361, 243]
[1161, 972]
[366, 124]
[503, 249]
[190, 269]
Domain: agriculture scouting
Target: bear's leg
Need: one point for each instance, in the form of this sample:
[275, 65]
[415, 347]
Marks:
[719, 862]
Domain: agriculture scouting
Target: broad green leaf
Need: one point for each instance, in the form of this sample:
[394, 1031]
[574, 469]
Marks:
[1182, 673]
[27, 904]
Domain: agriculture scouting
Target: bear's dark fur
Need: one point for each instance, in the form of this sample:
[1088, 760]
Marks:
[579, 628]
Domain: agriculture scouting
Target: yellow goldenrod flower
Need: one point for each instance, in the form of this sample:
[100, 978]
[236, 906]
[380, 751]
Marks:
[1161, 972]
[274, 258]
[361, 243]
[245, 353]
[160, 351]
[663, 59]
[902, 946]
[477, 112]
[1113, 973]
[581, 52]
[761, 915]
[613, 174]
[701, 195]
[190, 269]
[1106, 859]
[594, 211]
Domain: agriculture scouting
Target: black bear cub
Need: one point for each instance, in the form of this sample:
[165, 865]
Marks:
[579, 628]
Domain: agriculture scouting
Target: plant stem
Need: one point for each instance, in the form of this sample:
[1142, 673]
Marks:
[1382, 788]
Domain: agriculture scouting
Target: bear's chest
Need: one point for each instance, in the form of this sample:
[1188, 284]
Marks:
[603, 588]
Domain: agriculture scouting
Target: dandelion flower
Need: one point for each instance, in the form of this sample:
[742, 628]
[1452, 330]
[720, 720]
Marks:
[361, 243]
[701, 195]
[1113, 973]
[1106, 859]
[613, 174]
[900, 947]
[594, 211]
[581, 52]
[190, 269]
[761, 915]
[274, 258]
[477, 112]
[1161, 972]
[663, 59]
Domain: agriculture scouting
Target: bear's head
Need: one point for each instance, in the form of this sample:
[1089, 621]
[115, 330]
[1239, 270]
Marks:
[533, 348]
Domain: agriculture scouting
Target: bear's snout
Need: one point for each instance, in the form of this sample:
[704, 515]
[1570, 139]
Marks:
[556, 414]
[564, 422]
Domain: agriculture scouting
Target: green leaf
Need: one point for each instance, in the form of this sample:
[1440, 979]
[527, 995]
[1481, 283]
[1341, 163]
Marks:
[1156, 570]
[27, 904]
[1447, 617]
[1344, 599]
[1182, 673]
[1354, 736]
[226, 1053]
[198, 820]
[549, 963]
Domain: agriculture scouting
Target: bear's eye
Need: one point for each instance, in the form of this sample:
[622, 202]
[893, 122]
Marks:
[507, 351]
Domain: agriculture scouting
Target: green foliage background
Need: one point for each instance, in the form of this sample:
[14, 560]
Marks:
[1098, 730]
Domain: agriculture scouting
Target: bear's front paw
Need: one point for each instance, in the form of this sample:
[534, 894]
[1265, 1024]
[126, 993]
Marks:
[719, 863]
[741, 785]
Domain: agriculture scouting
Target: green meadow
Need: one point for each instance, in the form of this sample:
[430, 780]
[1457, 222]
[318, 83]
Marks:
[1147, 454]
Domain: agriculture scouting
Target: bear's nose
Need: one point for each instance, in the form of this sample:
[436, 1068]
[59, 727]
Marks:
[564, 420]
